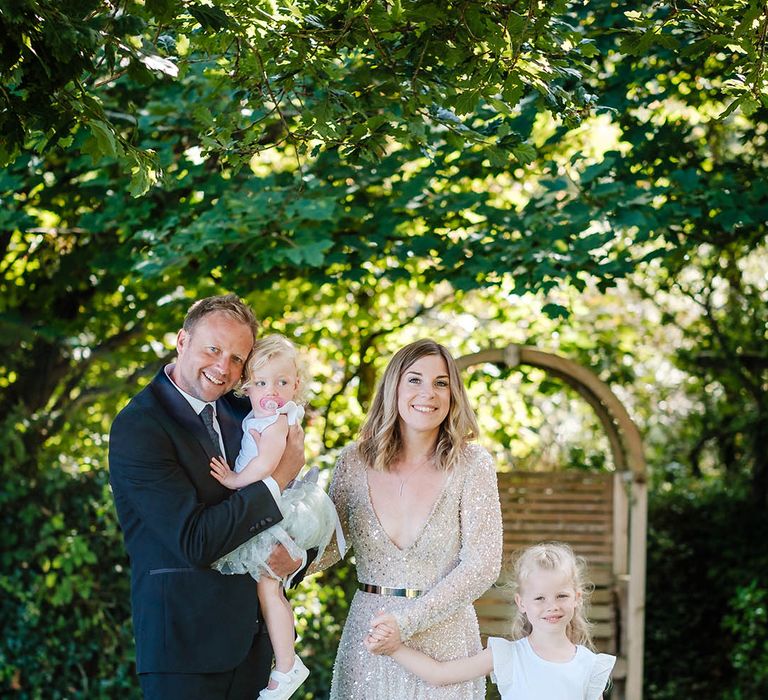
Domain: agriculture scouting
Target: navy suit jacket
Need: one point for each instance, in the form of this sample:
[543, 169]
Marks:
[176, 520]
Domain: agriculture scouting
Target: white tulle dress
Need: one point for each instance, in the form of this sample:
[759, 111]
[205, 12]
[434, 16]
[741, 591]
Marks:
[309, 516]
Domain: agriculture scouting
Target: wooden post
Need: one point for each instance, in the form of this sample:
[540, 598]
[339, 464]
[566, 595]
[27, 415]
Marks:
[636, 594]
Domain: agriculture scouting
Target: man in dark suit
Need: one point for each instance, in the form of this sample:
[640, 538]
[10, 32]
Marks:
[199, 634]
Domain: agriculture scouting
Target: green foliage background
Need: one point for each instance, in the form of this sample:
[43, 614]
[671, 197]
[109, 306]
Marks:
[708, 559]
[581, 176]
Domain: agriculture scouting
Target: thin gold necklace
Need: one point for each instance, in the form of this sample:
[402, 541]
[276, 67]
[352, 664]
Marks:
[403, 482]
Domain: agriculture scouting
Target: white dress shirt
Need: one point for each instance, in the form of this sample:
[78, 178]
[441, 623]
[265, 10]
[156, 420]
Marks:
[197, 406]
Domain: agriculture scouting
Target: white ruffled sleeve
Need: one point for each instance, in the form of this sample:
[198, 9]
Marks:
[598, 679]
[502, 651]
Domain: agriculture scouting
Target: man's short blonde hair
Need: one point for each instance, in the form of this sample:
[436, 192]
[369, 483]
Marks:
[228, 304]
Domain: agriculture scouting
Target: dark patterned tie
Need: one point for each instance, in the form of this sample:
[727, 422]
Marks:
[207, 415]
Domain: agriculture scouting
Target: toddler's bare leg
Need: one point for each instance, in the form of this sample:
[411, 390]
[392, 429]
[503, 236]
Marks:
[279, 618]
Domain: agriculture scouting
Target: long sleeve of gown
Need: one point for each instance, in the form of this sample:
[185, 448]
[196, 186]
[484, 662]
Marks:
[480, 553]
[339, 493]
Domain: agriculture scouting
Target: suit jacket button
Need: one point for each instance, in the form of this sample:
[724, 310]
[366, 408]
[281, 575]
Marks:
[252, 528]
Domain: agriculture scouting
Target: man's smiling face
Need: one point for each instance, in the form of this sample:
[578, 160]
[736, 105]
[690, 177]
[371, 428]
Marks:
[211, 356]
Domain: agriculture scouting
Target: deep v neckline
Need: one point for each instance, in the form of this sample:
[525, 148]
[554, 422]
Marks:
[422, 527]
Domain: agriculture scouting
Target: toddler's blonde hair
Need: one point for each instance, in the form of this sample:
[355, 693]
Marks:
[267, 348]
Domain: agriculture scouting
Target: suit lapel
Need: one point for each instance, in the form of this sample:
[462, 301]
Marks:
[178, 408]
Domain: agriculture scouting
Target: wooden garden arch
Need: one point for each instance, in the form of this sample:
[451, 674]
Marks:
[604, 517]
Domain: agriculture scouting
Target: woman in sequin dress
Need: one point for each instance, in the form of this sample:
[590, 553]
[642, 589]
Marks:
[419, 506]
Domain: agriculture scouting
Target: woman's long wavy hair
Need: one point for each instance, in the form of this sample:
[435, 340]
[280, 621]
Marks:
[554, 556]
[381, 440]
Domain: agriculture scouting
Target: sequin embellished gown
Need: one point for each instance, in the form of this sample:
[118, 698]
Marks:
[455, 558]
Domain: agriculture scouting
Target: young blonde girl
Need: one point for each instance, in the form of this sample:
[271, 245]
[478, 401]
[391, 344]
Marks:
[552, 654]
[274, 383]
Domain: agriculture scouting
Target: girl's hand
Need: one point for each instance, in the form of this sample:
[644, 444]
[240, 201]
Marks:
[373, 647]
[223, 474]
[384, 635]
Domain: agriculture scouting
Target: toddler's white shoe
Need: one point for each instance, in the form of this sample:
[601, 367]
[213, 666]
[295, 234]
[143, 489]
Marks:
[287, 683]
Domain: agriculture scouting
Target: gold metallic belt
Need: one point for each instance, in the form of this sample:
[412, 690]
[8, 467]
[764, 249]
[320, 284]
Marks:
[386, 590]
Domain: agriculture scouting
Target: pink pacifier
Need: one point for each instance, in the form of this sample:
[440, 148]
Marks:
[271, 403]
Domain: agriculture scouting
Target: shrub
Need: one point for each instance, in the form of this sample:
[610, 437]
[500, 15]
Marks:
[747, 625]
[704, 543]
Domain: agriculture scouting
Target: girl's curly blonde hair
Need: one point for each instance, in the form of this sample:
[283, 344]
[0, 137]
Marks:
[554, 556]
[267, 348]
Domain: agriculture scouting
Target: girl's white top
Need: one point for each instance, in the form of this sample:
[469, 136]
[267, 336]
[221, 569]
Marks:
[248, 447]
[521, 674]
